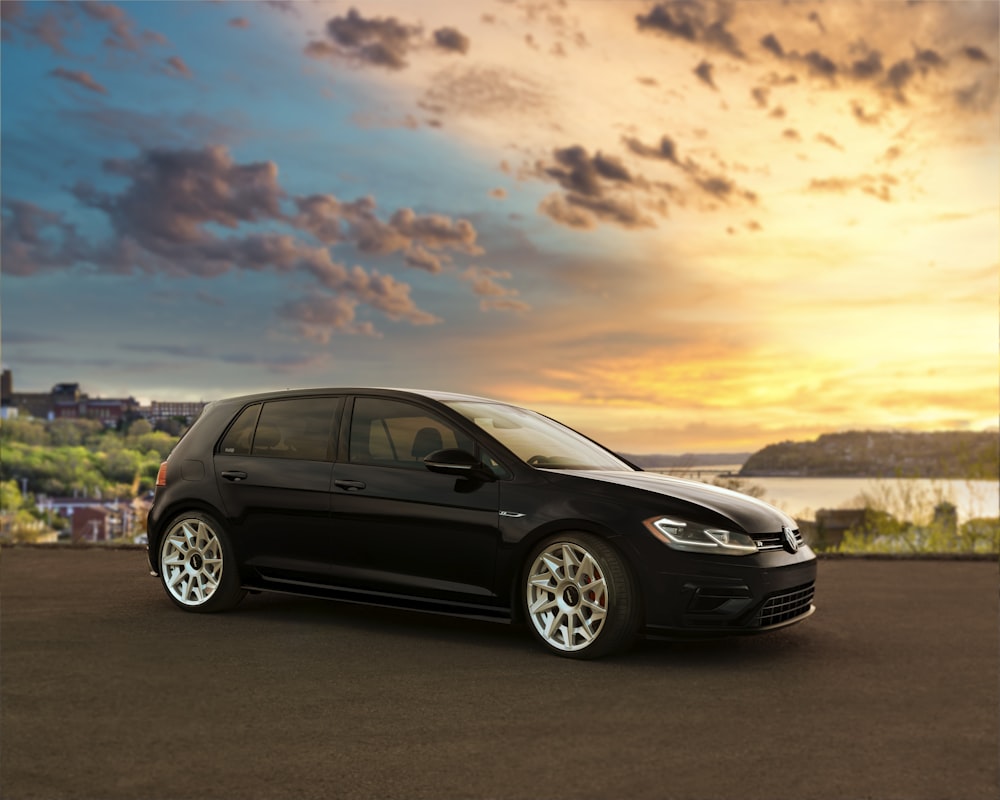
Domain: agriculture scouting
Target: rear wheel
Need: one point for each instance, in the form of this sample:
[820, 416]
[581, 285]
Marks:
[197, 565]
[579, 597]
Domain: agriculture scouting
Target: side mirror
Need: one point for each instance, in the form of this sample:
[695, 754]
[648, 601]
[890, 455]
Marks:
[458, 463]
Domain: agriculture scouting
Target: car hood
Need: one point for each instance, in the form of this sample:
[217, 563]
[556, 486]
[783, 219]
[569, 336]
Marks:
[749, 513]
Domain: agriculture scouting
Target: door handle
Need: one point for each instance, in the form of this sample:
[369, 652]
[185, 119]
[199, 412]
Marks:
[234, 475]
[351, 486]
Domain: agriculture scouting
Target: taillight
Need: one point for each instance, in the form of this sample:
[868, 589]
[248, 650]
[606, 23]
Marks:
[161, 476]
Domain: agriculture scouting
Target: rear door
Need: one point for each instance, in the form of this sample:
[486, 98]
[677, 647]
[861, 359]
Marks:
[411, 530]
[273, 468]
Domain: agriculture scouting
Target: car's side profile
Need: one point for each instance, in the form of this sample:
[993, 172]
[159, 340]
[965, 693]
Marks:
[463, 505]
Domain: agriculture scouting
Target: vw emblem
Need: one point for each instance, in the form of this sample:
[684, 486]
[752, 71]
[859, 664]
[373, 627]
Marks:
[791, 543]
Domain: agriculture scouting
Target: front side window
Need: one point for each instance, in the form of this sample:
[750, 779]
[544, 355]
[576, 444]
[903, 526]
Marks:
[399, 434]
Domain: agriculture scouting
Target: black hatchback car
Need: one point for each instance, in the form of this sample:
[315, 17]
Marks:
[463, 505]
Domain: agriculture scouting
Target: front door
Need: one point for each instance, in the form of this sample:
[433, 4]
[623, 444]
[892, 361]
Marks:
[412, 531]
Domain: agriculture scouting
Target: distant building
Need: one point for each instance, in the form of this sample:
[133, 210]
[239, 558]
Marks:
[29, 404]
[109, 411]
[157, 411]
[94, 519]
[90, 525]
[833, 523]
[66, 401]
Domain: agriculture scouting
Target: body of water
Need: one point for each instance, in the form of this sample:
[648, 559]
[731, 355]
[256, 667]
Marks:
[905, 498]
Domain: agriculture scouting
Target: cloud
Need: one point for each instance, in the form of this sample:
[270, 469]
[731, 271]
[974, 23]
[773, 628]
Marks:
[177, 66]
[579, 173]
[174, 193]
[828, 140]
[36, 240]
[451, 39]
[120, 34]
[718, 186]
[867, 66]
[704, 73]
[47, 28]
[494, 296]
[863, 115]
[979, 96]
[316, 318]
[695, 22]
[666, 150]
[974, 53]
[79, 78]
[198, 212]
[487, 91]
[590, 183]
[332, 221]
[376, 41]
[557, 208]
[878, 186]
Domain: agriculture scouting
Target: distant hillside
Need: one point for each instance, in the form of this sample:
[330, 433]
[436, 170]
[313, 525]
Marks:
[947, 454]
[687, 460]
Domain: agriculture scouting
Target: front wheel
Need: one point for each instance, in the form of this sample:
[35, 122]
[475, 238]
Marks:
[197, 565]
[580, 598]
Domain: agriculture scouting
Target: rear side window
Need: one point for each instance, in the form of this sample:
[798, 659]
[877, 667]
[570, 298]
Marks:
[238, 439]
[299, 428]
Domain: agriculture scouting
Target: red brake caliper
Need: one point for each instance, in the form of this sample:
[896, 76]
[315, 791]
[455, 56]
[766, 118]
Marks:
[592, 596]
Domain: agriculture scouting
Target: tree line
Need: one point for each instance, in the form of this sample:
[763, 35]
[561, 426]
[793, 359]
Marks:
[968, 455]
[67, 457]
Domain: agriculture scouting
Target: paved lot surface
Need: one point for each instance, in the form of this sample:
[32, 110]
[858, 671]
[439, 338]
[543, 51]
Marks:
[889, 691]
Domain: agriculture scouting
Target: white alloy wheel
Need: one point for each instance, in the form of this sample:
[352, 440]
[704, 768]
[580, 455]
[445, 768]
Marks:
[567, 596]
[580, 597]
[191, 561]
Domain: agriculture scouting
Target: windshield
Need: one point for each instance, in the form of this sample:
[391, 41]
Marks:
[537, 440]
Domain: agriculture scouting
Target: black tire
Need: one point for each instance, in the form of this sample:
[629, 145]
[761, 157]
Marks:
[579, 597]
[197, 565]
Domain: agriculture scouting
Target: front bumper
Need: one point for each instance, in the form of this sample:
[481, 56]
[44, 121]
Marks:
[718, 596]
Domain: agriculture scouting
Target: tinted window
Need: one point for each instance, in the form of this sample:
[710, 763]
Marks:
[297, 428]
[399, 434]
[237, 440]
[537, 440]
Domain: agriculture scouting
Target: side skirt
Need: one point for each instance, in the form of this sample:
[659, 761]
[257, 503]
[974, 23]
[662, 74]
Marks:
[381, 599]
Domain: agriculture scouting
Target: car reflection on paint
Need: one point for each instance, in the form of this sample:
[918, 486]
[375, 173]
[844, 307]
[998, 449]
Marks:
[462, 505]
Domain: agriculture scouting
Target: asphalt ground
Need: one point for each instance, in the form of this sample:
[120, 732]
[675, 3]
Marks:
[889, 691]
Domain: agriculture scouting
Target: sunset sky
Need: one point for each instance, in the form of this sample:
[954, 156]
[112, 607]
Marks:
[678, 227]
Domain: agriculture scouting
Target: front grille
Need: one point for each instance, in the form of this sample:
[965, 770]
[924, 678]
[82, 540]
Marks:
[774, 541]
[785, 606]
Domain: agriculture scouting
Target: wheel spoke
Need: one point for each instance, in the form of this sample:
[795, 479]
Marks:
[570, 560]
[553, 624]
[544, 604]
[585, 628]
[598, 611]
[571, 628]
[552, 565]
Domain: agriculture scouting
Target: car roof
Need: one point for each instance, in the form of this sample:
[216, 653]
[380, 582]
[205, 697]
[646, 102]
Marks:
[433, 394]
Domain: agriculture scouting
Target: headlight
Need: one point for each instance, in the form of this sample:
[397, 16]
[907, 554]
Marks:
[694, 538]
